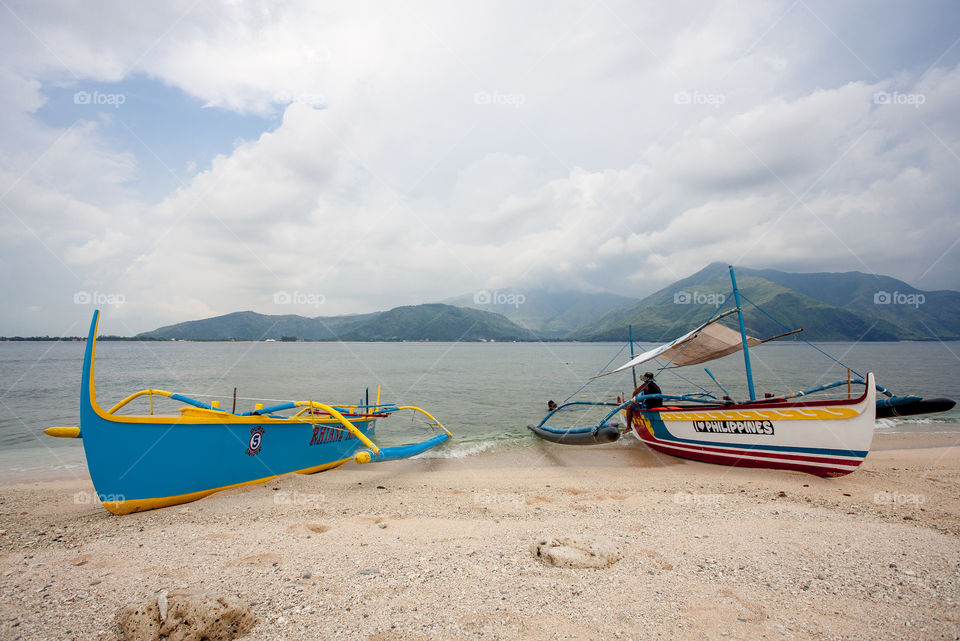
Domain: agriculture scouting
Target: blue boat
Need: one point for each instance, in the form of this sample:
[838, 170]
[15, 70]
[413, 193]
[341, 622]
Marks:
[142, 462]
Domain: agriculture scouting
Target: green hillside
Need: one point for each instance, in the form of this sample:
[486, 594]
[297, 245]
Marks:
[549, 314]
[843, 306]
[433, 322]
[251, 326]
[826, 306]
[912, 314]
[438, 322]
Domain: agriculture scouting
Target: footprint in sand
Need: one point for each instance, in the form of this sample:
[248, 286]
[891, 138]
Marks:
[307, 528]
[583, 552]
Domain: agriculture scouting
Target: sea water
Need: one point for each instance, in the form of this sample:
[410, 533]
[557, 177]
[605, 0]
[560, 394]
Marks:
[485, 393]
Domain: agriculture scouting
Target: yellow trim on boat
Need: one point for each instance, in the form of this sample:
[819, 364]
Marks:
[63, 432]
[321, 468]
[428, 415]
[190, 410]
[340, 417]
[135, 395]
[207, 417]
[141, 505]
[797, 414]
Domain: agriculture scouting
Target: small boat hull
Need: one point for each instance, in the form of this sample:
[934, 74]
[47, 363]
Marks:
[144, 462]
[146, 466]
[594, 435]
[826, 438]
[912, 406]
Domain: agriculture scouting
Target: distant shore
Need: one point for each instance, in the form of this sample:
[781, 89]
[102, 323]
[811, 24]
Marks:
[448, 549]
[142, 339]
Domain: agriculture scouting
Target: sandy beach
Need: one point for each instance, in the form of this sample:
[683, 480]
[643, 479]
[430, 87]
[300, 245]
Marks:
[540, 542]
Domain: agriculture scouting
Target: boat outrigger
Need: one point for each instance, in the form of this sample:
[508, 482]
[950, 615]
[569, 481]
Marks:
[828, 437]
[149, 461]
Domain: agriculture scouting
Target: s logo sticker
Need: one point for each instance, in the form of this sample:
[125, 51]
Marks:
[256, 440]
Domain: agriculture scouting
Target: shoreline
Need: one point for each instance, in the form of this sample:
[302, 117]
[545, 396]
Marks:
[71, 463]
[445, 548]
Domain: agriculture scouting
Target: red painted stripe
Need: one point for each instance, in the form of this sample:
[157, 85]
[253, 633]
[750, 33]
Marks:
[752, 463]
[764, 453]
[812, 464]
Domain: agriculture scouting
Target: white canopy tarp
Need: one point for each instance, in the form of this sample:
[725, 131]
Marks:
[706, 343]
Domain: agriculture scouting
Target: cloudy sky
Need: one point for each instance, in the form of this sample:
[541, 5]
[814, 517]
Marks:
[185, 159]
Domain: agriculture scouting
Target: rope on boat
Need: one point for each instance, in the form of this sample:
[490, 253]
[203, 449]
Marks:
[663, 367]
[246, 398]
[835, 360]
[602, 369]
[687, 380]
[716, 314]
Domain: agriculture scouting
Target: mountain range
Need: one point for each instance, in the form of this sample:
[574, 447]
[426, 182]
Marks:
[547, 313]
[435, 321]
[828, 306]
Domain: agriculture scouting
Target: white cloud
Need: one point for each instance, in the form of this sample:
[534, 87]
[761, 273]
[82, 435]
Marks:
[575, 167]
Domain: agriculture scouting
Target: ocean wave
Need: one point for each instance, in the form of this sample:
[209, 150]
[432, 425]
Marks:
[885, 424]
[891, 423]
[460, 450]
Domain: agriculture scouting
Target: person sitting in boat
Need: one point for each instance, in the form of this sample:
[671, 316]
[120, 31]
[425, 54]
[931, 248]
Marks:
[649, 386]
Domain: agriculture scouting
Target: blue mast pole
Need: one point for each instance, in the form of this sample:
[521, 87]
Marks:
[743, 335]
[633, 370]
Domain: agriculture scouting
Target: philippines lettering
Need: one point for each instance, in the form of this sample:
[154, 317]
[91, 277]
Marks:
[735, 427]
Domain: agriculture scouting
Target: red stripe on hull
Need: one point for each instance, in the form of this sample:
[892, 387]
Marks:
[745, 451]
[818, 466]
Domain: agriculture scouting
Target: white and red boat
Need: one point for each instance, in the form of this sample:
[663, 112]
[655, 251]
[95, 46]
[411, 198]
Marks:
[825, 438]
[828, 437]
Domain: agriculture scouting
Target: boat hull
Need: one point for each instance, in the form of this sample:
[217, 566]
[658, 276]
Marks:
[912, 406]
[827, 438]
[142, 466]
[595, 435]
[145, 462]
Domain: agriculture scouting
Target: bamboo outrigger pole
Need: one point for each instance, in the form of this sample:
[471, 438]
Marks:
[743, 335]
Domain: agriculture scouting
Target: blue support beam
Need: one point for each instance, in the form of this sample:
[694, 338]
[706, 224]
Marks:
[743, 335]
